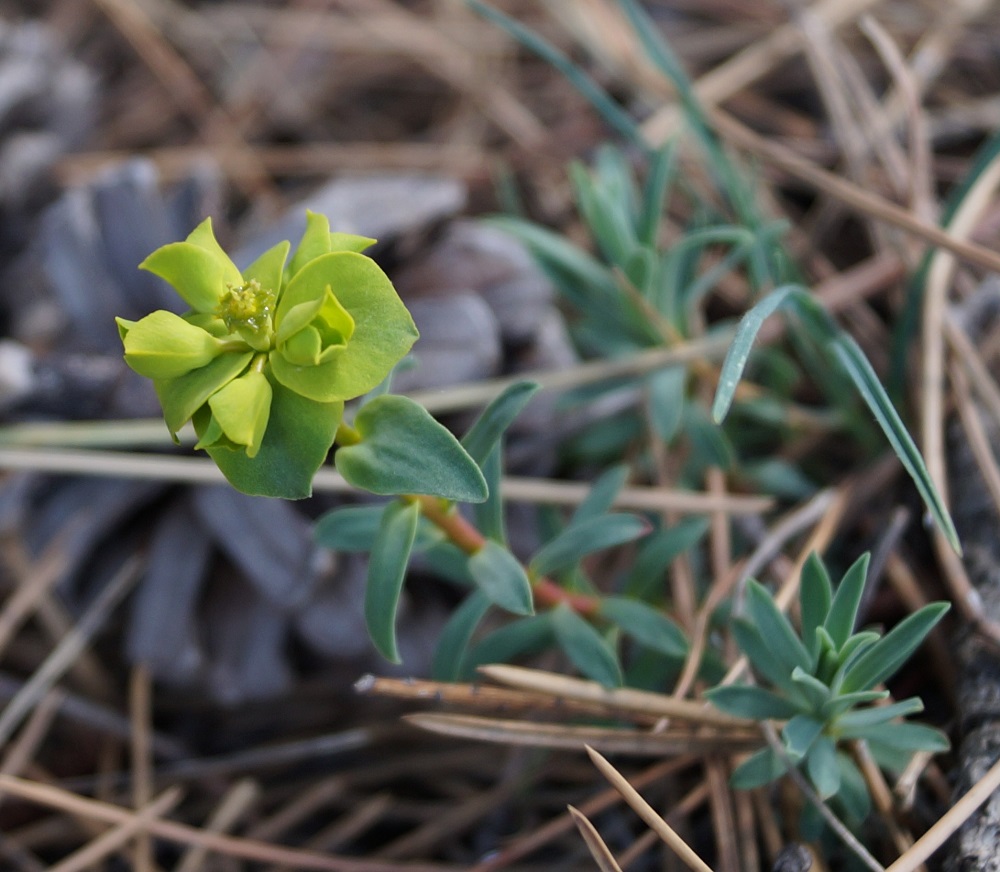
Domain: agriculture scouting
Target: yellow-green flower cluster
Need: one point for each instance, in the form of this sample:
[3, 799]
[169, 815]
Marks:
[324, 326]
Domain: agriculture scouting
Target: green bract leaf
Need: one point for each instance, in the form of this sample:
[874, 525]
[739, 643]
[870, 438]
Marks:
[298, 436]
[843, 612]
[383, 329]
[882, 660]
[453, 641]
[585, 647]
[182, 397]
[163, 345]
[578, 540]
[748, 701]
[350, 242]
[200, 276]
[386, 571]
[485, 434]
[267, 269]
[240, 412]
[403, 450]
[315, 242]
[501, 578]
[646, 625]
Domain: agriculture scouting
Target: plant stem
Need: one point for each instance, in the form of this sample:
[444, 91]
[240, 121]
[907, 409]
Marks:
[465, 536]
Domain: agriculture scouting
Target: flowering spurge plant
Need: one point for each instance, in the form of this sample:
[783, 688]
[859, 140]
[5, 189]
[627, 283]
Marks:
[264, 360]
[824, 684]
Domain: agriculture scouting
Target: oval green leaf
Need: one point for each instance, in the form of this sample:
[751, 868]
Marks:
[453, 641]
[646, 625]
[587, 649]
[501, 578]
[578, 540]
[403, 450]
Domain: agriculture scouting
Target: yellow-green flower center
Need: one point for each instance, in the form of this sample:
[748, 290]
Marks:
[247, 307]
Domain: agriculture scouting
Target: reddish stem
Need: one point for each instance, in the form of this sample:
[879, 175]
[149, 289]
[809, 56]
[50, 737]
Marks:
[466, 536]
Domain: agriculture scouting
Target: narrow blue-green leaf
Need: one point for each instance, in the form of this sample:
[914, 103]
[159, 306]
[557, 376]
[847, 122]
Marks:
[879, 714]
[815, 596]
[902, 737]
[853, 649]
[666, 400]
[774, 626]
[403, 450]
[654, 195]
[748, 701]
[728, 180]
[349, 529]
[860, 370]
[646, 625]
[822, 767]
[761, 768]
[739, 350]
[602, 494]
[658, 551]
[353, 529]
[522, 637]
[763, 659]
[453, 641]
[843, 612]
[386, 571]
[799, 734]
[585, 647]
[881, 661]
[485, 434]
[501, 578]
[613, 115]
[844, 701]
[489, 514]
[853, 795]
[578, 540]
[710, 445]
[817, 693]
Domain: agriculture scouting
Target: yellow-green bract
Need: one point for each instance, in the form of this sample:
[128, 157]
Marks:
[265, 358]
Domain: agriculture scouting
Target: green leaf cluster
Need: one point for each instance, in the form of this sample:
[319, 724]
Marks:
[824, 684]
[495, 577]
[264, 359]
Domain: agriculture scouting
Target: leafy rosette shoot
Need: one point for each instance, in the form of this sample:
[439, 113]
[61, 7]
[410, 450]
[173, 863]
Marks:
[824, 684]
[264, 359]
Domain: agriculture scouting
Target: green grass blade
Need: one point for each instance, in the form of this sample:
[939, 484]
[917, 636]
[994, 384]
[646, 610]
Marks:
[874, 395]
[614, 116]
[742, 344]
